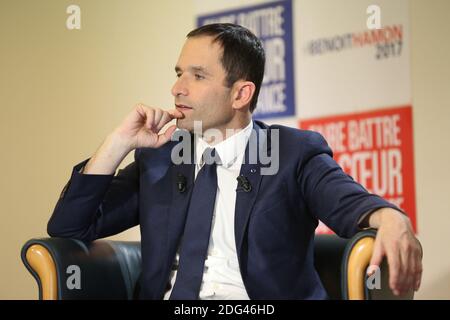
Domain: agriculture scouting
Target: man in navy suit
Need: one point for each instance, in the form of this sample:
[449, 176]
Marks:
[240, 225]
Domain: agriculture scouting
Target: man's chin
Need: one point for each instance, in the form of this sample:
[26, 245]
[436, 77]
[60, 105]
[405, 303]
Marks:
[185, 124]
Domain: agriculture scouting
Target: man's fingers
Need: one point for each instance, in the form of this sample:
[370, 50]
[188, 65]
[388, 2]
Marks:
[158, 114]
[407, 276]
[377, 258]
[166, 117]
[175, 114]
[418, 277]
[156, 118]
[149, 116]
[417, 267]
[411, 257]
[164, 137]
[412, 266]
[394, 270]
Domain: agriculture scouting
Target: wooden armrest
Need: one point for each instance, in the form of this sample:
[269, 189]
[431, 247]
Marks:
[44, 270]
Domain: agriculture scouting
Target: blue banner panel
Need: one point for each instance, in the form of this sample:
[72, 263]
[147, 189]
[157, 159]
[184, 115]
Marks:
[272, 23]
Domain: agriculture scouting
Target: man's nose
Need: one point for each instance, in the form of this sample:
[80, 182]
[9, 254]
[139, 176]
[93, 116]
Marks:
[179, 88]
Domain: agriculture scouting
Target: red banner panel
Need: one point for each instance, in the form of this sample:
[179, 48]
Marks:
[376, 149]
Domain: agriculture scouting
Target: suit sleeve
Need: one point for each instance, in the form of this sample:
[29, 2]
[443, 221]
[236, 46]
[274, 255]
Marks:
[96, 206]
[331, 195]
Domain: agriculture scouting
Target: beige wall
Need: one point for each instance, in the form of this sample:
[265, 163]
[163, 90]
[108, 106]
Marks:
[430, 59]
[62, 91]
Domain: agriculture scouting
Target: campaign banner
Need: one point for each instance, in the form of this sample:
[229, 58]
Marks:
[376, 149]
[344, 65]
[272, 24]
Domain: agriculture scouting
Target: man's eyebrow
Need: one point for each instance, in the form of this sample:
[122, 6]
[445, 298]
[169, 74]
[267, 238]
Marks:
[193, 69]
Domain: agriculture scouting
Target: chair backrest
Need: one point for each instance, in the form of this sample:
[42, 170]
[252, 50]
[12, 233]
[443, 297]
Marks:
[328, 253]
[121, 261]
[111, 269]
[342, 264]
[108, 269]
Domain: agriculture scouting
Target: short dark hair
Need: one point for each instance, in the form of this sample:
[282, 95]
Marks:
[243, 54]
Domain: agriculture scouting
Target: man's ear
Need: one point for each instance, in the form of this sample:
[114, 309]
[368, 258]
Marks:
[242, 93]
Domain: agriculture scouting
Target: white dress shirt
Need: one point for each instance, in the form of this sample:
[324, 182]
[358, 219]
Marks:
[221, 276]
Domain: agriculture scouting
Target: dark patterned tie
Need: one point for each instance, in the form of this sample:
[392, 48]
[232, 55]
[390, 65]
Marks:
[197, 231]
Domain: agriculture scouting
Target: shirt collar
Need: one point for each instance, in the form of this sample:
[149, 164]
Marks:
[228, 150]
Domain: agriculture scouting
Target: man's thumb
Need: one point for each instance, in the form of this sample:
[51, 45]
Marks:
[165, 137]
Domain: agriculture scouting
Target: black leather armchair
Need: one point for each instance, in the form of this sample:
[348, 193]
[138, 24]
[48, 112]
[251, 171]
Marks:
[110, 269]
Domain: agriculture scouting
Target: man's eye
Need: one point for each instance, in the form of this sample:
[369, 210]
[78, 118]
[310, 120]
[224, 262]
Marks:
[199, 77]
[178, 75]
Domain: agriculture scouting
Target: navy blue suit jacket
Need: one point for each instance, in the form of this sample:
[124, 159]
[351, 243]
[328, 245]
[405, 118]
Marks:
[274, 222]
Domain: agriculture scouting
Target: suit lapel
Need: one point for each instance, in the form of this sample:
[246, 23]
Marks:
[180, 203]
[252, 171]
[245, 201]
